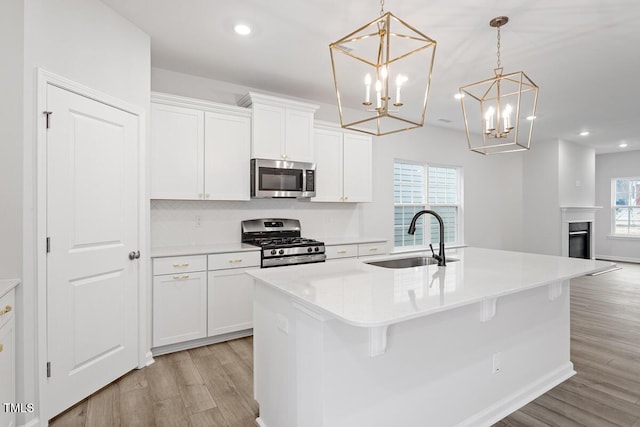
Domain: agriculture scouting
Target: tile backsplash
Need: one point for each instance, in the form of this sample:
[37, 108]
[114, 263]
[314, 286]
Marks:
[185, 222]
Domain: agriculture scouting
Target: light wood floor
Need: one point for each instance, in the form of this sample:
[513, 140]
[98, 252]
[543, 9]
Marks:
[212, 386]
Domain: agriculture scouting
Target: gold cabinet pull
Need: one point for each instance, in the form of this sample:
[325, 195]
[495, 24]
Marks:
[235, 261]
[181, 276]
[373, 249]
[184, 264]
[6, 310]
[341, 252]
[1, 347]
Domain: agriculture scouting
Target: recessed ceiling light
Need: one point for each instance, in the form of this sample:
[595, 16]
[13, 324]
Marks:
[458, 95]
[623, 145]
[242, 29]
[531, 117]
[584, 133]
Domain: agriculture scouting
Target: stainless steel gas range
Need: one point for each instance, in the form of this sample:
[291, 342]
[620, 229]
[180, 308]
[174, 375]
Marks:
[281, 242]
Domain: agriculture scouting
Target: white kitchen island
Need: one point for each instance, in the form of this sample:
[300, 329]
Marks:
[348, 344]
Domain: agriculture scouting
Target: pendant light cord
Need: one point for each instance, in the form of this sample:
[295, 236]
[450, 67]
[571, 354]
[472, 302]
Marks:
[498, 45]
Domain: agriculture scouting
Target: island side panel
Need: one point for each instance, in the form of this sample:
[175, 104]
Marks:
[437, 370]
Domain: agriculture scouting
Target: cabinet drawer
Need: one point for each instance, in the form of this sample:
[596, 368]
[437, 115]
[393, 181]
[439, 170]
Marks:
[366, 249]
[341, 251]
[176, 264]
[234, 260]
[7, 307]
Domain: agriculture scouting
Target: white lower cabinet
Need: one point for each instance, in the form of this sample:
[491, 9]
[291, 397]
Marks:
[341, 251]
[191, 301]
[7, 358]
[179, 300]
[353, 250]
[230, 296]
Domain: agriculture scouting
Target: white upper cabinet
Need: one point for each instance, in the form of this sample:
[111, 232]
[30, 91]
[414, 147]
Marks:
[343, 165]
[177, 147]
[226, 156]
[357, 162]
[199, 150]
[281, 129]
[328, 155]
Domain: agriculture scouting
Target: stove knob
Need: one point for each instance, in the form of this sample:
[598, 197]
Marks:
[309, 249]
[281, 251]
[317, 249]
[273, 251]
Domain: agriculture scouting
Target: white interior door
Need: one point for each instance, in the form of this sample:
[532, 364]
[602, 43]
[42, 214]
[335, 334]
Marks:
[92, 224]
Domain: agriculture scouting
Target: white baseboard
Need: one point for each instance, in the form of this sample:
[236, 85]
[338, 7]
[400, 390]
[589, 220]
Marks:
[260, 422]
[618, 258]
[503, 408]
[171, 348]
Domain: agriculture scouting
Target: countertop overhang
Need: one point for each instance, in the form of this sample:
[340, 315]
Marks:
[364, 295]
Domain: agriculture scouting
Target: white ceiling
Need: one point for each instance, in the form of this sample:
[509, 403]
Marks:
[583, 54]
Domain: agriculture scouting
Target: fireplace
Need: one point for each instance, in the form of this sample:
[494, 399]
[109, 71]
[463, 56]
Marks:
[580, 240]
[578, 231]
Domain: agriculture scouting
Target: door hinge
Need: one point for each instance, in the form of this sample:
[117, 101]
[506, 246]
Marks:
[48, 114]
[48, 244]
[48, 369]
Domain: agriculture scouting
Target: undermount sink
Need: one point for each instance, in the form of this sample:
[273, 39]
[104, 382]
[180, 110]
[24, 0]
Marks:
[417, 261]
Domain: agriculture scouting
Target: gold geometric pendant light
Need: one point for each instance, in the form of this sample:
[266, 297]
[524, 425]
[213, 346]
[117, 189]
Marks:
[499, 112]
[382, 72]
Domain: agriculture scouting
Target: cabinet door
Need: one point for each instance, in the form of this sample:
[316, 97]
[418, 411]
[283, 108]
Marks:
[177, 141]
[268, 132]
[299, 136]
[7, 372]
[230, 301]
[357, 163]
[328, 157]
[179, 307]
[227, 141]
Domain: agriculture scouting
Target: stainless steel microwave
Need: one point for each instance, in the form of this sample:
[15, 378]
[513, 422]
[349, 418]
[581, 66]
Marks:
[282, 178]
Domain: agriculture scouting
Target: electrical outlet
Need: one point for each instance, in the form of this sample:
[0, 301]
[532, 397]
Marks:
[198, 221]
[496, 363]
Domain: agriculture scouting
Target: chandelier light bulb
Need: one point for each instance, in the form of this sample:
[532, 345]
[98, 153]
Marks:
[378, 94]
[506, 114]
[367, 84]
[488, 120]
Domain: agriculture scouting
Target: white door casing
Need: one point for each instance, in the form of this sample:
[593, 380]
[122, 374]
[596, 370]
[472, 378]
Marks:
[92, 222]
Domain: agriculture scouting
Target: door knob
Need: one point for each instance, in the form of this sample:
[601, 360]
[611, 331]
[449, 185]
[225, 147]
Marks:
[134, 255]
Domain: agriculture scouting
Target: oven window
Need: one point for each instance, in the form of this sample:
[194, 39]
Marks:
[280, 179]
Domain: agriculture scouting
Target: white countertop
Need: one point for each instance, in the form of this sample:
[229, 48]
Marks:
[333, 241]
[182, 250]
[369, 296]
[217, 248]
[7, 284]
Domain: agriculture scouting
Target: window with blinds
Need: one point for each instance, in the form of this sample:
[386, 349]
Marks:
[444, 198]
[409, 198]
[625, 207]
[416, 188]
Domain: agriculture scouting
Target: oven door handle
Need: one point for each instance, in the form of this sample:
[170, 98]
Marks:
[577, 233]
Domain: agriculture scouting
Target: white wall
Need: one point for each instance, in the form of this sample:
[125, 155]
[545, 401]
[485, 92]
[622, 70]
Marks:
[551, 171]
[11, 34]
[493, 184]
[609, 166]
[541, 204]
[87, 42]
[576, 174]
